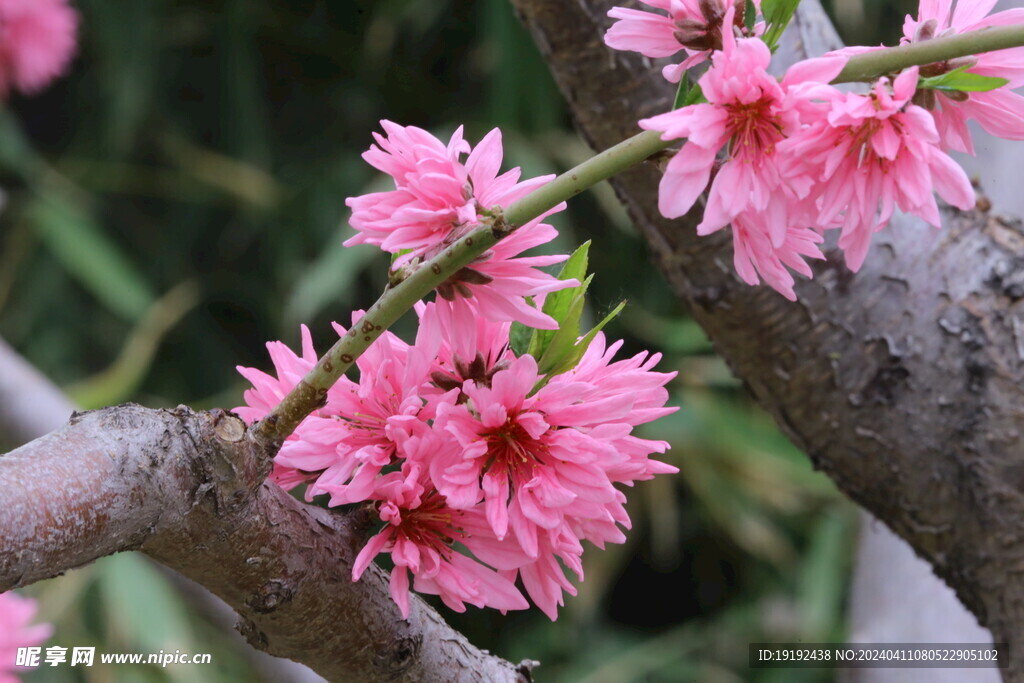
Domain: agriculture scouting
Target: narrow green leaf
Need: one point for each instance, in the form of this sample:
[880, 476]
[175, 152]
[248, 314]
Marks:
[573, 359]
[401, 252]
[89, 255]
[778, 12]
[695, 96]
[683, 93]
[963, 81]
[566, 335]
[520, 337]
[749, 15]
[557, 304]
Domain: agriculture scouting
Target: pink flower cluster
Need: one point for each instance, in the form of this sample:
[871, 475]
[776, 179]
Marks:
[788, 160]
[37, 41]
[481, 472]
[486, 474]
[16, 615]
[437, 199]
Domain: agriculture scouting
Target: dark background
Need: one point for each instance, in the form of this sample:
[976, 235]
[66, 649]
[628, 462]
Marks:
[178, 199]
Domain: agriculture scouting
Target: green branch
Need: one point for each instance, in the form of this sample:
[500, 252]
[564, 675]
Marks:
[871, 65]
[311, 391]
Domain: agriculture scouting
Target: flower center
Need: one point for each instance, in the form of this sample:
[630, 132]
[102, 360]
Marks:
[430, 525]
[510, 449]
[755, 129]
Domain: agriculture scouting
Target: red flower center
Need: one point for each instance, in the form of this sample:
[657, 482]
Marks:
[755, 129]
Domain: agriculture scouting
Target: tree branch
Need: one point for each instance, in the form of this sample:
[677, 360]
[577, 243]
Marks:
[189, 490]
[903, 383]
[32, 406]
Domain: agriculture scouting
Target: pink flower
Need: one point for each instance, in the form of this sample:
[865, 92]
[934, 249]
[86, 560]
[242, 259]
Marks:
[696, 26]
[751, 112]
[420, 531]
[342, 447]
[496, 285]
[872, 153]
[450, 443]
[999, 111]
[37, 41]
[754, 253]
[267, 391]
[16, 613]
[437, 199]
[432, 194]
[466, 347]
[543, 466]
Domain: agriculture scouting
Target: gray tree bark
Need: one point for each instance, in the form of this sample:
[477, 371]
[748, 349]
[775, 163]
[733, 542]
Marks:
[189, 490]
[31, 406]
[902, 383]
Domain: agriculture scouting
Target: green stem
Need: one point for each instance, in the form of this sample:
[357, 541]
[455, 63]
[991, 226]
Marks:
[311, 391]
[871, 65]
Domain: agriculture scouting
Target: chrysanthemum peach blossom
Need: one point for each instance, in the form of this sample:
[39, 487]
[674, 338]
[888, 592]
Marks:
[696, 26]
[999, 111]
[751, 112]
[17, 631]
[544, 465]
[875, 152]
[468, 347]
[755, 255]
[37, 41]
[420, 531]
[448, 440]
[437, 199]
[267, 391]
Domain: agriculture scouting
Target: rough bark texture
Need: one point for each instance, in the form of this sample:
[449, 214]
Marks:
[903, 383]
[31, 406]
[189, 490]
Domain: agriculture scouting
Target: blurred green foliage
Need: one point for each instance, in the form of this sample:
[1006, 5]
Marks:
[179, 199]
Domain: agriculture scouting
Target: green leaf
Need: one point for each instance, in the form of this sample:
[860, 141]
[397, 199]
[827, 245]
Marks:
[564, 357]
[94, 259]
[695, 96]
[583, 344]
[777, 14]
[749, 15]
[683, 93]
[557, 304]
[963, 81]
[563, 339]
[401, 252]
[520, 336]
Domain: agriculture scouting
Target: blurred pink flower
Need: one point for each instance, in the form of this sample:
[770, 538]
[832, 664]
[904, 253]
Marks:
[999, 111]
[16, 613]
[37, 41]
[437, 199]
[874, 152]
[692, 25]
